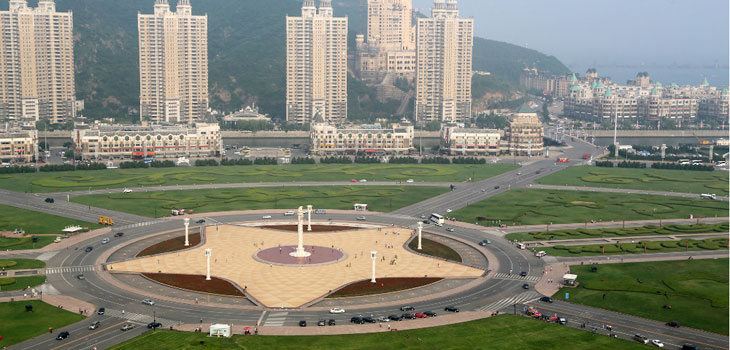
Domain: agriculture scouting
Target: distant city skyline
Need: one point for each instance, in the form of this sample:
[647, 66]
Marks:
[643, 35]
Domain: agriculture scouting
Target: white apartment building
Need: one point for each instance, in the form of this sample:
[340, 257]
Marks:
[173, 64]
[389, 46]
[18, 145]
[36, 63]
[444, 65]
[328, 139]
[458, 140]
[130, 142]
[525, 133]
[316, 64]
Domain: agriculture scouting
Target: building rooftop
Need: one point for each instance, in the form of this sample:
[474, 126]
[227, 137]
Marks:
[525, 108]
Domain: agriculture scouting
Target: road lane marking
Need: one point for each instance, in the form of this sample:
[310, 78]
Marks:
[86, 336]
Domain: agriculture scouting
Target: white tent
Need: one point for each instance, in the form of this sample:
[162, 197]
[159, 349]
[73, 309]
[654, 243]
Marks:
[570, 278]
[220, 330]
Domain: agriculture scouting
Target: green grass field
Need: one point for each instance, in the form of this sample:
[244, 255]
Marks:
[21, 264]
[118, 178]
[718, 243]
[34, 222]
[18, 325]
[697, 291]
[25, 242]
[379, 198]
[538, 207]
[18, 283]
[641, 179]
[501, 332]
[647, 230]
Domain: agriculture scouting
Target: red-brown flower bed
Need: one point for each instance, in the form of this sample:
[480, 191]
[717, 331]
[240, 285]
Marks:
[383, 285]
[315, 228]
[170, 245]
[196, 283]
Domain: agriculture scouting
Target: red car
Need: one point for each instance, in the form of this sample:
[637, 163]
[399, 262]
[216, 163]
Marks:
[353, 180]
[420, 315]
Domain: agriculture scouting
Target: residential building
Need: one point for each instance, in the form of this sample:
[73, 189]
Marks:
[18, 145]
[329, 139]
[443, 65]
[316, 64]
[389, 46]
[525, 133]
[135, 142]
[173, 64]
[555, 85]
[459, 140]
[36, 63]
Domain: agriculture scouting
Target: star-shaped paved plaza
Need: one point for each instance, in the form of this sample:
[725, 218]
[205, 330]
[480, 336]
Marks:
[233, 258]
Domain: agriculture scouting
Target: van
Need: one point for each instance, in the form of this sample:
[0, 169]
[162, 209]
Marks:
[521, 245]
[540, 254]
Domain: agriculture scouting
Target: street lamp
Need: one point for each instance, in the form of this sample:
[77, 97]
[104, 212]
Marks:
[373, 255]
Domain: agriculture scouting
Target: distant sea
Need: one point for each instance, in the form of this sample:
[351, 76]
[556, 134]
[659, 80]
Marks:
[666, 75]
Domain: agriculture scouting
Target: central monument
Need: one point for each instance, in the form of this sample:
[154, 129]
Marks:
[300, 253]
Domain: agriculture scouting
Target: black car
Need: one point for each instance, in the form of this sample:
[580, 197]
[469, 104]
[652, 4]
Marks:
[547, 299]
[119, 234]
[101, 311]
[357, 320]
[425, 221]
[689, 347]
[674, 324]
[407, 308]
[395, 317]
[50, 200]
[484, 242]
[154, 325]
[63, 335]
[302, 323]
[88, 249]
[429, 313]
[322, 322]
[526, 286]
[523, 273]
[368, 319]
[451, 309]
[200, 221]
[409, 316]
[331, 322]
[496, 187]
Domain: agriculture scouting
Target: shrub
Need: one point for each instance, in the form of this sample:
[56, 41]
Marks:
[163, 164]
[676, 166]
[469, 160]
[133, 165]
[403, 160]
[367, 160]
[626, 164]
[605, 164]
[435, 160]
[239, 161]
[303, 160]
[265, 161]
[17, 169]
[335, 160]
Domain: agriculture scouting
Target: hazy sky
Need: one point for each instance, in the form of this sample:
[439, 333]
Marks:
[583, 32]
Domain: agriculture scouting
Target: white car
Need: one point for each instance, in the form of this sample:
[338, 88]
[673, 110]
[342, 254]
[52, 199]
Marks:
[337, 310]
[450, 229]
[363, 180]
[658, 343]
[361, 218]
[266, 217]
[288, 213]
[105, 241]
[448, 210]
[126, 190]
[148, 302]
[410, 181]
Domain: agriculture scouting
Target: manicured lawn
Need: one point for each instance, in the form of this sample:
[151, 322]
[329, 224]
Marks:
[382, 285]
[648, 230]
[33, 222]
[696, 290]
[18, 325]
[718, 243]
[434, 249]
[25, 242]
[18, 283]
[538, 207]
[501, 332]
[379, 198]
[21, 264]
[118, 178]
[641, 179]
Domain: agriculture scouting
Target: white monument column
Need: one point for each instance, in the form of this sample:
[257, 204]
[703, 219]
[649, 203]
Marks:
[373, 255]
[187, 226]
[300, 253]
[309, 218]
[207, 256]
[420, 228]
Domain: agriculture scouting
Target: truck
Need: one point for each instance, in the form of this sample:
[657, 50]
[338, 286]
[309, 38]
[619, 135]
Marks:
[708, 196]
[105, 220]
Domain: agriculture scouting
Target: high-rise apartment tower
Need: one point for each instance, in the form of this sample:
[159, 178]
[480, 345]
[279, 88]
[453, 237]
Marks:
[173, 64]
[443, 65]
[36, 63]
[316, 65]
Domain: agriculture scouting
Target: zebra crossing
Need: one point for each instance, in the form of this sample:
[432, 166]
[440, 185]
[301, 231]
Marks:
[276, 319]
[140, 224]
[517, 299]
[138, 318]
[513, 276]
[65, 269]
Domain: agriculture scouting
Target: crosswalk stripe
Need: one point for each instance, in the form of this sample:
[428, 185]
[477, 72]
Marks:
[516, 277]
[276, 319]
[65, 269]
[516, 299]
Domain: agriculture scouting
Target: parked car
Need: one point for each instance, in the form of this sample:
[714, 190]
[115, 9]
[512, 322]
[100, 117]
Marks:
[148, 302]
[368, 319]
[302, 323]
[154, 325]
[658, 343]
[94, 325]
[88, 249]
[674, 324]
[451, 309]
[127, 326]
[395, 317]
[383, 319]
[357, 320]
[101, 311]
[407, 308]
[119, 234]
[331, 322]
[63, 335]
[641, 339]
[420, 315]
[50, 200]
[337, 310]
[408, 316]
[429, 313]
[546, 299]
[322, 322]
[563, 321]
[484, 242]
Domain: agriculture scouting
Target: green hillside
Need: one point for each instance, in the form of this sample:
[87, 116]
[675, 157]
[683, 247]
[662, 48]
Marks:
[246, 42]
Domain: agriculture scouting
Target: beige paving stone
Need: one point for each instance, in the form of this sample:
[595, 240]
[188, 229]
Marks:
[233, 252]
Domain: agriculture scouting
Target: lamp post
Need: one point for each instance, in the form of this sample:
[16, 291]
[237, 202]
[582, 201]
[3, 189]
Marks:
[420, 228]
[309, 218]
[373, 255]
[207, 256]
[187, 226]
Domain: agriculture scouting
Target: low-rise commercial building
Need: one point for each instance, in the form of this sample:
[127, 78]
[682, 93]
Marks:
[18, 146]
[458, 140]
[129, 142]
[330, 139]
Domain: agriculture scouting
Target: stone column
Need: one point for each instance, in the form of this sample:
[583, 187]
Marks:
[300, 253]
[207, 256]
[187, 226]
[420, 228]
[309, 218]
[373, 255]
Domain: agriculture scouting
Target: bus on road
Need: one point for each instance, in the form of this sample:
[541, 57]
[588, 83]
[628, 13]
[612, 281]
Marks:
[437, 219]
